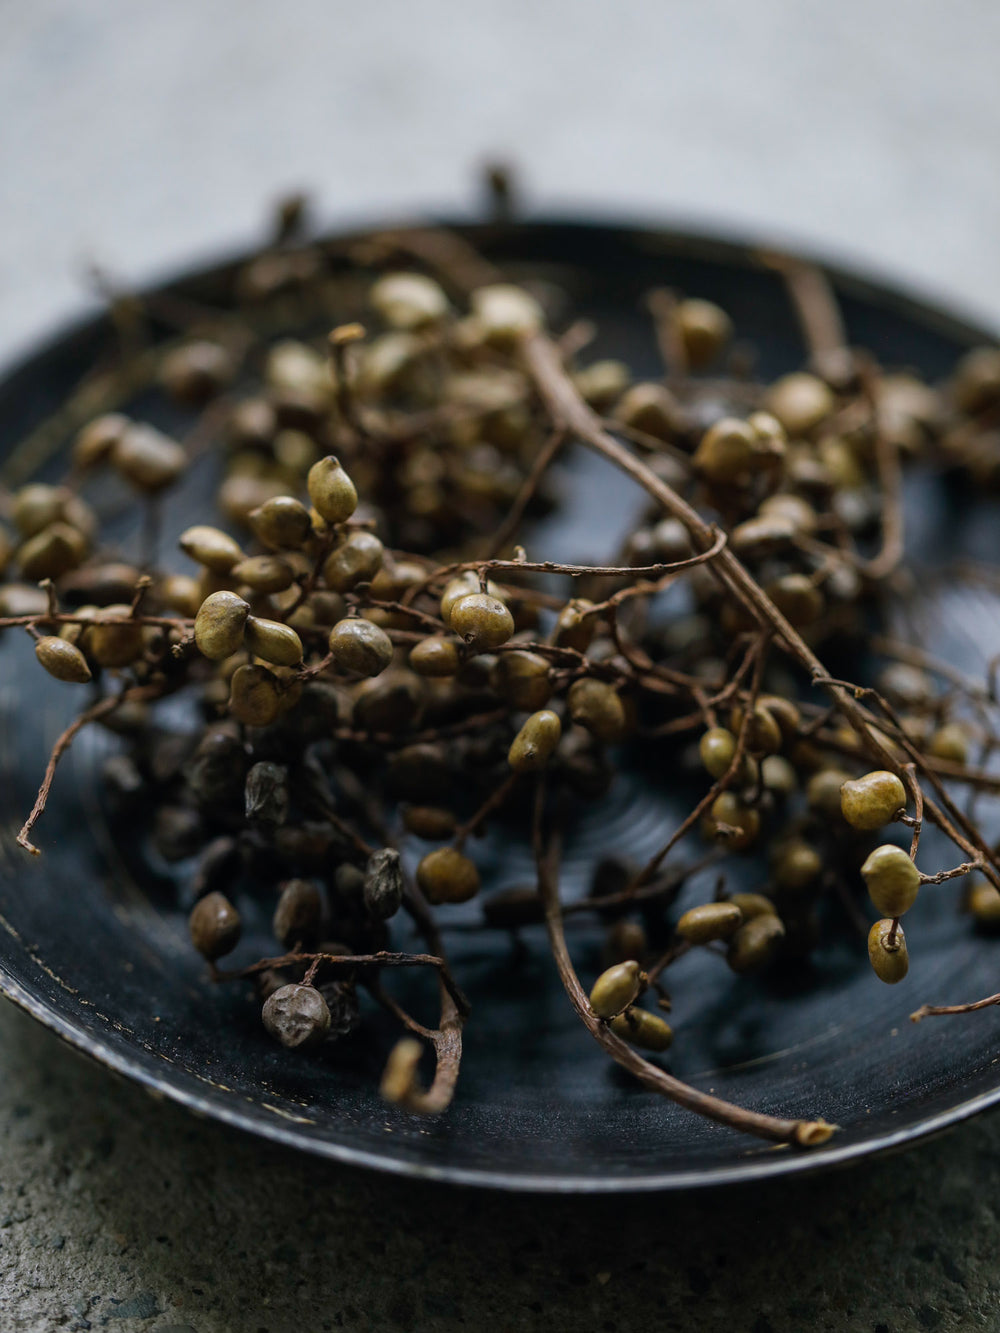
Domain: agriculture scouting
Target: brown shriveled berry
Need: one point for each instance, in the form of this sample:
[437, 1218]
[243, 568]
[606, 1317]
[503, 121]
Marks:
[62, 660]
[214, 926]
[888, 955]
[643, 1029]
[447, 876]
[710, 921]
[113, 645]
[274, 641]
[535, 743]
[616, 988]
[254, 697]
[484, 622]
[704, 330]
[331, 490]
[297, 1016]
[429, 822]
[383, 888]
[755, 943]
[281, 522]
[356, 560]
[871, 801]
[359, 646]
[298, 913]
[220, 624]
[211, 547]
[892, 879]
[435, 656]
[522, 679]
[36, 506]
[597, 706]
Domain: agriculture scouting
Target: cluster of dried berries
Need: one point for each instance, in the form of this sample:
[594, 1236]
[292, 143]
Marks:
[377, 666]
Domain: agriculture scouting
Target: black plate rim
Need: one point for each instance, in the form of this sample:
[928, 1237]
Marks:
[928, 309]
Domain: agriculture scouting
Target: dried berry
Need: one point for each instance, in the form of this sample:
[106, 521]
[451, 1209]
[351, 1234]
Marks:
[215, 926]
[297, 1016]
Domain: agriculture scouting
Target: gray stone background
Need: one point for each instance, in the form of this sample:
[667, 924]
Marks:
[148, 136]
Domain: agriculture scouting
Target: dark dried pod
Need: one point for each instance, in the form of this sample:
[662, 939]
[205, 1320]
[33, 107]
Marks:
[178, 832]
[266, 796]
[297, 1016]
[342, 1001]
[298, 913]
[214, 925]
[217, 770]
[217, 867]
[510, 908]
[383, 888]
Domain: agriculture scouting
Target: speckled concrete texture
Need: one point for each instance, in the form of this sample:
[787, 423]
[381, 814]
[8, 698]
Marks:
[147, 137]
[123, 1213]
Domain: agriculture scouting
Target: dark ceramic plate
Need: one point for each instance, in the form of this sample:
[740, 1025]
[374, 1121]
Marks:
[98, 952]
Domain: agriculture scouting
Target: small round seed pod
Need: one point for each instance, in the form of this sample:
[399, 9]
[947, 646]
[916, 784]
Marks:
[298, 913]
[37, 506]
[297, 1016]
[383, 889]
[220, 624]
[950, 742]
[615, 989]
[893, 880]
[331, 490]
[356, 560]
[211, 547]
[755, 943]
[62, 660]
[869, 802]
[435, 657]
[704, 330]
[795, 865]
[727, 452]
[742, 821]
[147, 458]
[265, 574]
[52, 552]
[274, 641]
[214, 926]
[429, 822]
[254, 697]
[710, 921]
[454, 590]
[484, 622]
[717, 748]
[597, 706]
[447, 876]
[800, 402]
[505, 313]
[523, 680]
[643, 1029]
[983, 903]
[823, 791]
[535, 743]
[359, 646]
[753, 904]
[97, 441]
[409, 300]
[196, 372]
[281, 522]
[650, 408]
[113, 645]
[778, 775]
[890, 962]
[575, 626]
[763, 733]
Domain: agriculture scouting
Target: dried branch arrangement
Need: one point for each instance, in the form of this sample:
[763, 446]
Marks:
[379, 667]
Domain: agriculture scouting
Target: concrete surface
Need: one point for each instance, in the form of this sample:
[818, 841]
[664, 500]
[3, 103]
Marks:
[149, 136]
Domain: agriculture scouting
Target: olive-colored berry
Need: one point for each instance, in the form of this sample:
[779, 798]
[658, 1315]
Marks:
[429, 821]
[214, 926]
[298, 914]
[888, 955]
[615, 989]
[281, 522]
[523, 680]
[643, 1029]
[575, 625]
[870, 802]
[709, 921]
[800, 401]
[982, 901]
[211, 547]
[447, 876]
[752, 904]
[62, 660]
[727, 452]
[359, 646]
[755, 943]
[254, 696]
[331, 490]
[893, 880]
[147, 458]
[98, 439]
[274, 641]
[220, 624]
[597, 706]
[704, 330]
[741, 823]
[265, 574]
[435, 657]
[823, 791]
[113, 645]
[483, 621]
[536, 742]
[795, 865]
[717, 748]
[52, 552]
[356, 560]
